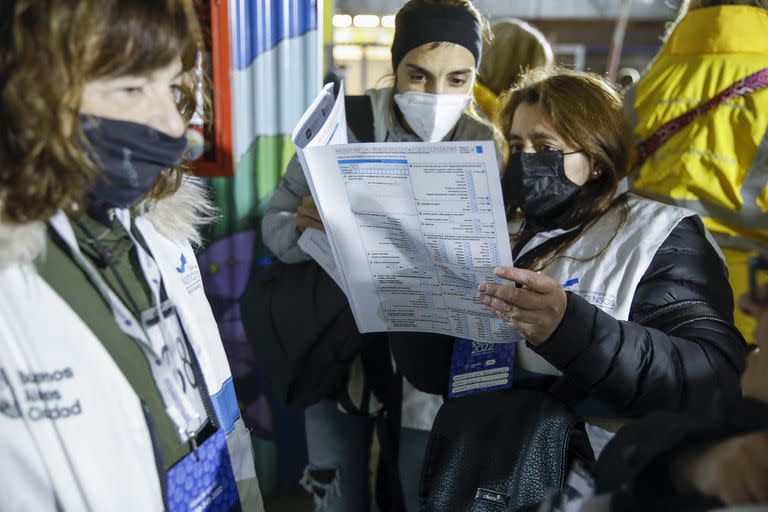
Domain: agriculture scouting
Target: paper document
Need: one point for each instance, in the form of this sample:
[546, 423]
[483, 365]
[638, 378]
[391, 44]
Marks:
[315, 243]
[322, 124]
[413, 228]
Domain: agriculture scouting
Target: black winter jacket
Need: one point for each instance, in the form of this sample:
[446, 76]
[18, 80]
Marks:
[635, 465]
[673, 354]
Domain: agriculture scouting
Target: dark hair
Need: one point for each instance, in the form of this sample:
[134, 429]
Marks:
[48, 50]
[588, 112]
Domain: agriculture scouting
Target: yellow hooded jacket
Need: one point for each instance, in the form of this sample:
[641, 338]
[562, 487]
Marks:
[718, 165]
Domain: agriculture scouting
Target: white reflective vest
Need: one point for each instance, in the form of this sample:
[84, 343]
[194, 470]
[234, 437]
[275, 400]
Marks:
[604, 266]
[606, 263]
[608, 280]
[73, 431]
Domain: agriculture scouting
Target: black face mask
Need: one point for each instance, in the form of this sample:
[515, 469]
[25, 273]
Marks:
[132, 156]
[537, 184]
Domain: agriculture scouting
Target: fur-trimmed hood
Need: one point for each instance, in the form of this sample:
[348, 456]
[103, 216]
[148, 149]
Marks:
[178, 217]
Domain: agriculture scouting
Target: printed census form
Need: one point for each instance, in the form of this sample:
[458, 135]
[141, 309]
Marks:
[415, 229]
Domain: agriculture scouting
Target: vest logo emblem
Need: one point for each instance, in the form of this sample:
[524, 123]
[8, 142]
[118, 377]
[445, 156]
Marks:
[183, 267]
[570, 282]
[8, 404]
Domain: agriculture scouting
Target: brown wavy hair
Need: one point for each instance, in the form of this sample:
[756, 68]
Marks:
[49, 49]
[588, 113]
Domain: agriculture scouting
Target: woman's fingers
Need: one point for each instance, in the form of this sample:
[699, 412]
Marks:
[309, 211]
[303, 222]
[509, 313]
[528, 278]
[510, 294]
[535, 310]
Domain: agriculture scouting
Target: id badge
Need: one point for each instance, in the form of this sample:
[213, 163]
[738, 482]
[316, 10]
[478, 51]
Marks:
[477, 366]
[203, 481]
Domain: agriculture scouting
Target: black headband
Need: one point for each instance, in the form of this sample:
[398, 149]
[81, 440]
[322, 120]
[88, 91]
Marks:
[434, 24]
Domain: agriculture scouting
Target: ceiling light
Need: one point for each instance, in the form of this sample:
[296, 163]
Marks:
[342, 20]
[366, 21]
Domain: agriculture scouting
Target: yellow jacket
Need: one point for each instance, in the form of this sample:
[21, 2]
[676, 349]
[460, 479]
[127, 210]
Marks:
[718, 165]
[487, 101]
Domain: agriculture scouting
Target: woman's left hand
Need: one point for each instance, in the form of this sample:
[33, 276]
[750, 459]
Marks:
[535, 310]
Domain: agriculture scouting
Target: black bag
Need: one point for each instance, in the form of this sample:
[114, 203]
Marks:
[301, 329]
[500, 451]
[298, 321]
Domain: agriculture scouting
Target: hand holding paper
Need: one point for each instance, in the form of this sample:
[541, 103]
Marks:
[307, 215]
[412, 228]
[535, 310]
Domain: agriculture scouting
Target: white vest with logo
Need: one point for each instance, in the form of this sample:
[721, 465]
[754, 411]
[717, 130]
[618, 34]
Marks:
[608, 279]
[72, 429]
[604, 266]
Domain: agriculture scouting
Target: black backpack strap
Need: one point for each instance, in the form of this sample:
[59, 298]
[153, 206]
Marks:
[387, 385]
[389, 490]
[360, 117]
[359, 109]
[678, 314]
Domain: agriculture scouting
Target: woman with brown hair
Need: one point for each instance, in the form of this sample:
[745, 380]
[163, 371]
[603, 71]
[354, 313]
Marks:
[623, 299]
[623, 302]
[115, 391]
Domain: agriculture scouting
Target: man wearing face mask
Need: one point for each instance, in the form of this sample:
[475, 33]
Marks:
[115, 391]
[435, 55]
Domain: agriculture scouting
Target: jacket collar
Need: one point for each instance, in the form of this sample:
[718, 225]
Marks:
[723, 29]
[177, 217]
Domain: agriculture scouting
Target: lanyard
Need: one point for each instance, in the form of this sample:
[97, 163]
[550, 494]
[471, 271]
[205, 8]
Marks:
[156, 330]
[747, 85]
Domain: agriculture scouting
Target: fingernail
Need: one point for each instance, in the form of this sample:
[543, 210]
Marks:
[497, 271]
[483, 288]
[485, 299]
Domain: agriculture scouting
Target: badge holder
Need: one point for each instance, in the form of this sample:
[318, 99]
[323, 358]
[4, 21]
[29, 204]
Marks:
[478, 366]
[203, 481]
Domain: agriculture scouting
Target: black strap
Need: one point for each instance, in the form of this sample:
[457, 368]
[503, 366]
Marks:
[387, 385]
[389, 490]
[360, 117]
[358, 108]
[678, 314]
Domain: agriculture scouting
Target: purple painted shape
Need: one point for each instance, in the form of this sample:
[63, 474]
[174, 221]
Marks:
[226, 264]
[258, 416]
[225, 267]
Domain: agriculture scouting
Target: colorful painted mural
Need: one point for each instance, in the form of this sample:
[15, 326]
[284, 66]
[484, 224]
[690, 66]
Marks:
[276, 68]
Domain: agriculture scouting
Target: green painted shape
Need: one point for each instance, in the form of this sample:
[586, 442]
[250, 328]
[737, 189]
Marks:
[242, 198]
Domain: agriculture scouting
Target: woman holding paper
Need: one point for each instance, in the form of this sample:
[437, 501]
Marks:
[435, 54]
[624, 302]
